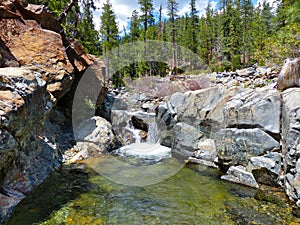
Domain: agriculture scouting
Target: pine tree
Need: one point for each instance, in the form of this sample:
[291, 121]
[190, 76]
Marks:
[159, 23]
[134, 26]
[246, 20]
[147, 19]
[230, 41]
[193, 27]
[172, 13]
[109, 37]
[109, 29]
[87, 34]
[209, 34]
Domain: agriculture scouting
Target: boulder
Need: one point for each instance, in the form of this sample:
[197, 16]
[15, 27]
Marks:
[254, 108]
[31, 36]
[205, 107]
[237, 146]
[185, 139]
[166, 114]
[38, 71]
[238, 174]
[290, 125]
[267, 168]
[290, 74]
[142, 121]
[42, 49]
[96, 135]
[7, 205]
[291, 141]
[206, 150]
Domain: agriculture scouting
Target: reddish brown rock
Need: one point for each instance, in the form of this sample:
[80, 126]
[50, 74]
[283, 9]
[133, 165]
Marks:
[31, 36]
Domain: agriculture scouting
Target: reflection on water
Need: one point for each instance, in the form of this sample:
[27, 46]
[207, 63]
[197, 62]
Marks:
[79, 195]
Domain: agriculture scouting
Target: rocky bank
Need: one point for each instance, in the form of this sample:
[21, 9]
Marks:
[37, 68]
[240, 123]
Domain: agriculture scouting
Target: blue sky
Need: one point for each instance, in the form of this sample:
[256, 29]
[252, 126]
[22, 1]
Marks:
[123, 9]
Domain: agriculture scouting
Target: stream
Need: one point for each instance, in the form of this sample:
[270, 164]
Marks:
[194, 195]
[142, 183]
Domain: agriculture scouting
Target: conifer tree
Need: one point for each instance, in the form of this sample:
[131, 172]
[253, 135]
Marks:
[134, 26]
[87, 34]
[172, 13]
[146, 17]
[193, 27]
[109, 29]
[246, 20]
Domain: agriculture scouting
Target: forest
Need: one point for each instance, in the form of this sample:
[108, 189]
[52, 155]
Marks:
[234, 35]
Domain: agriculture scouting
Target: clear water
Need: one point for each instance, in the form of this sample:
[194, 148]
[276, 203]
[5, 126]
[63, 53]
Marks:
[194, 195]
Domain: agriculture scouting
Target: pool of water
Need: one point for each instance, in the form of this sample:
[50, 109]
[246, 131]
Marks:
[194, 195]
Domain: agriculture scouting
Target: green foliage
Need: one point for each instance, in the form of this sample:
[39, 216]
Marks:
[109, 29]
[87, 35]
[146, 17]
[134, 26]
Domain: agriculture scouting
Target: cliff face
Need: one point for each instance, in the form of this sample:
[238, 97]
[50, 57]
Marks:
[38, 66]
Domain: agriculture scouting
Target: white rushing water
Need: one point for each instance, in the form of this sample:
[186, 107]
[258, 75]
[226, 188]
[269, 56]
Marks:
[145, 150]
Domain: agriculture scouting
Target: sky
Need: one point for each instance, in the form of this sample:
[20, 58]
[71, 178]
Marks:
[123, 9]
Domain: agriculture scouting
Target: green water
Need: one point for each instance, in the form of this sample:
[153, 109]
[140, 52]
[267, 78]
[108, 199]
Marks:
[79, 195]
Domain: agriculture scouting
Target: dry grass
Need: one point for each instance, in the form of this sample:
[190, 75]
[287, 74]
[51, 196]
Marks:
[161, 87]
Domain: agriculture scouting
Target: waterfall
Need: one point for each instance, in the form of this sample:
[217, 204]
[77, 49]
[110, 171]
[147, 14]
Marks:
[149, 149]
[153, 134]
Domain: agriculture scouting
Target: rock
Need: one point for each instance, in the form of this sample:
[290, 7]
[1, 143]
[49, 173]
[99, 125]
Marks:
[290, 125]
[165, 114]
[145, 106]
[119, 104]
[33, 52]
[142, 120]
[82, 154]
[177, 99]
[205, 107]
[185, 139]
[245, 72]
[143, 134]
[290, 74]
[237, 146]
[120, 120]
[202, 162]
[127, 136]
[33, 37]
[6, 58]
[238, 174]
[253, 109]
[7, 205]
[291, 141]
[32, 45]
[8, 146]
[267, 168]
[207, 150]
[97, 134]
